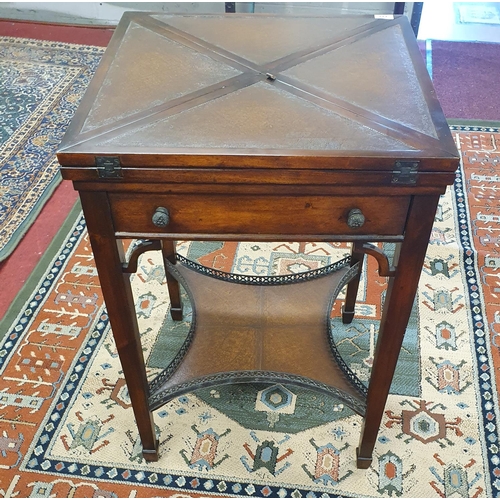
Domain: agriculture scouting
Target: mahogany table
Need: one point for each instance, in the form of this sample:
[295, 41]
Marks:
[260, 128]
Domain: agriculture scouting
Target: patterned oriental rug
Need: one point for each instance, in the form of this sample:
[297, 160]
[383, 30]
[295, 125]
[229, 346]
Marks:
[41, 86]
[67, 428]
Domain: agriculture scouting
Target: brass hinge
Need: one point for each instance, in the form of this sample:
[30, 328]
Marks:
[405, 172]
[108, 167]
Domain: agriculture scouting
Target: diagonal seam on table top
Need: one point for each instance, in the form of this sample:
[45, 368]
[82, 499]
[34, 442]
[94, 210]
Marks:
[280, 64]
[250, 74]
[179, 105]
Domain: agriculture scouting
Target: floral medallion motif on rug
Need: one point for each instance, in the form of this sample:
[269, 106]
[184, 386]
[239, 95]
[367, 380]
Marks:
[68, 427]
[42, 84]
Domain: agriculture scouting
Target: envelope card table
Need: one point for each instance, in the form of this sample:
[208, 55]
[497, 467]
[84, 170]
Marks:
[260, 128]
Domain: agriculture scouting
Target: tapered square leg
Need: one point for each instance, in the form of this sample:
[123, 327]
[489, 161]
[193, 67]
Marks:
[117, 292]
[168, 252]
[398, 304]
[352, 287]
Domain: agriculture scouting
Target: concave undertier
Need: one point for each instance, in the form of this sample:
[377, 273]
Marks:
[248, 329]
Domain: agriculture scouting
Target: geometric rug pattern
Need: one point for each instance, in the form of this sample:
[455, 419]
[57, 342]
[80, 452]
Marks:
[67, 428]
[41, 86]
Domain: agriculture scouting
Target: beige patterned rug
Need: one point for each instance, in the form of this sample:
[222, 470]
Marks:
[67, 428]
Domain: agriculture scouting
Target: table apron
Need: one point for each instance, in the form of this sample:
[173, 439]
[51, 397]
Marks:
[259, 215]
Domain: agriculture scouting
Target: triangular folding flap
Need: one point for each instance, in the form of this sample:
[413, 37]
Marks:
[375, 73]
[264, 39]
[149, 70]
[258, 117]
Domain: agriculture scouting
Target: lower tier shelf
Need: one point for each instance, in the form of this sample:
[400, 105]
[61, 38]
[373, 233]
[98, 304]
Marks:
[245, 330]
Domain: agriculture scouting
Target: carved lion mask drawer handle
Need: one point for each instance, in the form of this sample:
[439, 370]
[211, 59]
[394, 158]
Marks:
[355, 218]
[161, 217]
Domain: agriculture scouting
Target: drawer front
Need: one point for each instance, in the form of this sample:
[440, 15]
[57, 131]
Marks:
[226, 214]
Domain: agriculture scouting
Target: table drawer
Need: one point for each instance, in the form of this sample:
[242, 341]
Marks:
[249, 214]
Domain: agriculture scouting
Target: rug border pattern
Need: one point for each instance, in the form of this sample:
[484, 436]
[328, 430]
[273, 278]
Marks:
[488, 396]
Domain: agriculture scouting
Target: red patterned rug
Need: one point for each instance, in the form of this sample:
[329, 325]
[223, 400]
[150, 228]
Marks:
[67, 428]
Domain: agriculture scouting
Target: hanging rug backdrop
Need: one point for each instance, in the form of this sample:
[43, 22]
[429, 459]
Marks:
[41, 86]
[67, 428]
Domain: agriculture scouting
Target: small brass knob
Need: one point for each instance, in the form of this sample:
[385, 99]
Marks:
[355, 218]
[161, 217]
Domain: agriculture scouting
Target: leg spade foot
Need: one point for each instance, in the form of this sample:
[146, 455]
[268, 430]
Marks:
[151, 455]
[176, 313]
[362, 462]
[347, 316]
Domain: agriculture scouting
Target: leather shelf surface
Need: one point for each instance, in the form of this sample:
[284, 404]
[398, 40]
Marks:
[241, 330]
